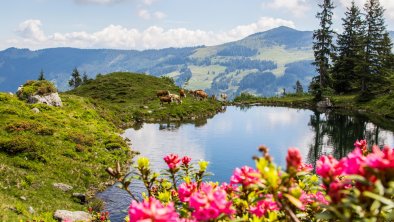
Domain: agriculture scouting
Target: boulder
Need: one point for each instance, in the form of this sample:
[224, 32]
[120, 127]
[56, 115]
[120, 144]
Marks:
[63, 187]
[65, 215]
[35, 110]
[326, 103]
[52, 99]
[80, 197]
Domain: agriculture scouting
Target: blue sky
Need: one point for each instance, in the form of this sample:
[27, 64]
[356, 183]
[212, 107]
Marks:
[144, 24]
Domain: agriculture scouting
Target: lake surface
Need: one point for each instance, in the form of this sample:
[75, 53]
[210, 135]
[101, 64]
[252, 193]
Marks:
[230, 139]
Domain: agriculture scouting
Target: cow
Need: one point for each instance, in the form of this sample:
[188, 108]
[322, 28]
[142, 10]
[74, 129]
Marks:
[223, 96]
[201, 94]
[194, 93]
[161, 93]
[176, 98]
[182, 93]
[165, 99]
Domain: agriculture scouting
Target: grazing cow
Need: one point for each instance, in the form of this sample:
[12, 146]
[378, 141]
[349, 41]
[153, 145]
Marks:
[165, 99]
[176, 98]
[161, 93]
[223, 96]
[194, 93]
[182, 93]
[201, 94]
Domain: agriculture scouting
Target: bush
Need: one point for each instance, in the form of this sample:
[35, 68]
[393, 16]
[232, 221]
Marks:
[36, 87]
[359, 187]
[81, 139]
[19, 144]
[21, 126]
[113, 146]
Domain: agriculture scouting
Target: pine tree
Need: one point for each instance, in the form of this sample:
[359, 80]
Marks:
[75, 80]
[41, 76]
[298, 87]
[85, 78]
[377, 49]
[323, 43]
[349, 51]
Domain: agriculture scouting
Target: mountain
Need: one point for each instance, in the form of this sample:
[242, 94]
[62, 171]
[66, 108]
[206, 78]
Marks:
[263, 63]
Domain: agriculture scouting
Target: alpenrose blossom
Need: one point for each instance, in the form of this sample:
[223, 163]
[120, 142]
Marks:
[310, 198]
[185, 190]
[210, 202]
[354, 163]
[152, 210]
[327, 167]
[293, 158]
[172, 160]
[245, 176]
[362, 145]
[381, 159]
[186, 160]
[264, 206]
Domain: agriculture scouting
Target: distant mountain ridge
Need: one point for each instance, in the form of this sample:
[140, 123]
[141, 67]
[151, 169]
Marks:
[264, 63]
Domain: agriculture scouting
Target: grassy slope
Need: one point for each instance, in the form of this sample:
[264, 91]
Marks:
[123, 95]
[72, 144]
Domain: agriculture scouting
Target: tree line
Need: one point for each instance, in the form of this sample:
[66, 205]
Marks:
[75, 80]
[360, 60]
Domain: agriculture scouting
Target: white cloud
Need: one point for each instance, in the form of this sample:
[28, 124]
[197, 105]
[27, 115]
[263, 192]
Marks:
[148, 2]
[145, 14]
[296, 7]
[115, 36]
[101, 2]
[387, 4]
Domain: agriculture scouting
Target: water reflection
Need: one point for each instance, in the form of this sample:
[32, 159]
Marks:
[230, 139]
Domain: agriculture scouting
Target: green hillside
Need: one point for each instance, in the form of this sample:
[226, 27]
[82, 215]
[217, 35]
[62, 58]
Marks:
[130, 97]
[72, 144]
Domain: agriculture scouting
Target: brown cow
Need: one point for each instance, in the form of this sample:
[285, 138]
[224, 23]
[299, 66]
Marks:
[165, 99]
[182, 93]
[201, 94]
[196, 91]
[162, 93]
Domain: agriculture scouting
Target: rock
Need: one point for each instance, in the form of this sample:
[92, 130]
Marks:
[145, 107]
[63, 187]
[23, 198]
[11, 94]
[80, 196]
[31, 210]
[35, 110]
[150, 111]
[52, 99]
[65, 215]
[326, 103]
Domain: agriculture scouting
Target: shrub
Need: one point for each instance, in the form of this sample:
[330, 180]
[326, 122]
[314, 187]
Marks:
[81, 139]
[19, 144]
[36, 87]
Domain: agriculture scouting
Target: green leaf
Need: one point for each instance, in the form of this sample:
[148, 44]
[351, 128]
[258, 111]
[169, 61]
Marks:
[378, 197]
[296, 202]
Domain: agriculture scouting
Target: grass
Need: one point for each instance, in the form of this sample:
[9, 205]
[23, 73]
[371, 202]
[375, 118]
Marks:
[57, 145]
[130, 97]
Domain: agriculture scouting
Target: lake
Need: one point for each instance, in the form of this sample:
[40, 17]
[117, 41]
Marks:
[231, 138]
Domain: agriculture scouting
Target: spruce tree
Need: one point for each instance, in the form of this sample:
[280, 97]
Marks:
[349, 51]
[85, 78]
[298, 88]
[323, 43]
[377, 52]
[41, 76]
[75, 80]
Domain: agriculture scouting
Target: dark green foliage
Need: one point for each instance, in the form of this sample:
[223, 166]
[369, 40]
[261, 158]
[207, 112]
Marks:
[323, 43]
[19, 144]
[350, 46]
[237, 50]
[246, 63]
[75, 80]
[41, 76]
[298, 88]
[261, 83]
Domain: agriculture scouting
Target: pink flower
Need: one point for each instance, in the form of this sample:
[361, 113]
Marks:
[354, 163]
[210, 202]
[152, 210]
[172, 161]
[186, 160]
[185, 190]
[305, 167]
[263, 206]
[245, 176]
[310, 198]
[362, 145]
[294, 158]
[381, 159]
[327, 167]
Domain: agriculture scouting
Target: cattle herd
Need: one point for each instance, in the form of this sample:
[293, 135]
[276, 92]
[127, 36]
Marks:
[166, 97]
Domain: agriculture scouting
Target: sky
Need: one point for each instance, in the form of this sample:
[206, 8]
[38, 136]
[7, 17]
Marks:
[154, 24]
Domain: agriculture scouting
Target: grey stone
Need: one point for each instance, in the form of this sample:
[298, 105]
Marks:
[63, 215]
[145, 107]
[326, 103]
[63, 187]
[52, 99]
[31, 210]
[23, 198]
[35, 110]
